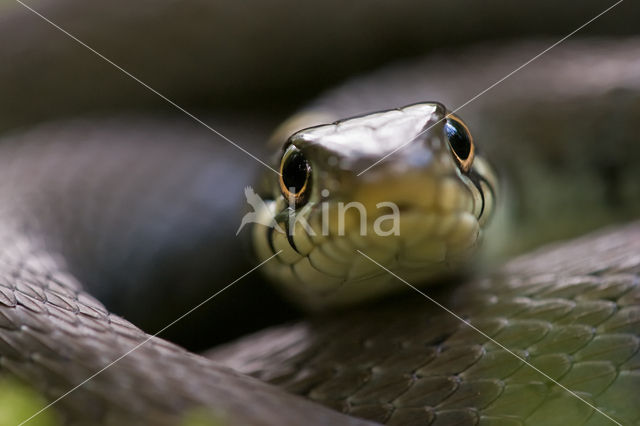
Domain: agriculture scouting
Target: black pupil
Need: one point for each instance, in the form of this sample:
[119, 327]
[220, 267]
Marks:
[295, 172]
[458, 138]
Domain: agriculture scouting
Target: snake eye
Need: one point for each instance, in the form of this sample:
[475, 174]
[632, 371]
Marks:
[461, 142]
[295, 173]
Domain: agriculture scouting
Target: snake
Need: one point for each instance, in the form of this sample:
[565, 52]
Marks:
[121, 216]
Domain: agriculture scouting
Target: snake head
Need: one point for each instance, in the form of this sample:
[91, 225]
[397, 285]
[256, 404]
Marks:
[404, 187]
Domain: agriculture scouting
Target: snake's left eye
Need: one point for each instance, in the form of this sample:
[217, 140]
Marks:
[460, 141]
[295, 175]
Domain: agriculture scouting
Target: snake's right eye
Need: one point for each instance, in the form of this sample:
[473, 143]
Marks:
[295, 175]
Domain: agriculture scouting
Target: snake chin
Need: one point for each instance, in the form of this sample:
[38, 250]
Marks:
[342, 261]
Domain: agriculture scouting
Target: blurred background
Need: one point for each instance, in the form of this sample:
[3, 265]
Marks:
[248, 55]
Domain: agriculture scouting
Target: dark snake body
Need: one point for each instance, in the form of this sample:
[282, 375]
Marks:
[149, 215]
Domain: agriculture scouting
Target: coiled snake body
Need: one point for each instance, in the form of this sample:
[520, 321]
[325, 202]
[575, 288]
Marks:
[572, 311]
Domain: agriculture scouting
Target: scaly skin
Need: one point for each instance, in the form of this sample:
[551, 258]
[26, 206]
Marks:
[54, 335]
[571, 311]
